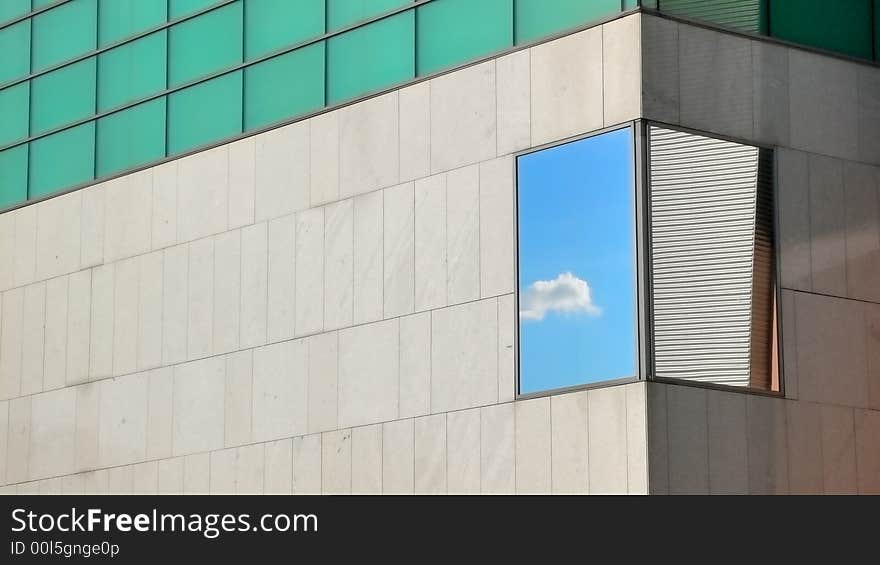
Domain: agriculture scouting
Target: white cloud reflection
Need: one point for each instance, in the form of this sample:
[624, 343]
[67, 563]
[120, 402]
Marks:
[565, 294]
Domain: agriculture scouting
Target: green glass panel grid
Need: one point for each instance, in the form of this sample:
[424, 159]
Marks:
[206, 112]
[40, 3]
[132, 137]
[10, 9]
[372, 57]
[62, 160]
[13, 175]
[63, 96]
[453, 31]
[341, 13]
[284, 86]
[206, 44]
[842, 26]
[14, 103]
[538, 18]
[132, 71]
[180, 8]
[15, 46]
[274, 24]
[63, 33]
[118, 19]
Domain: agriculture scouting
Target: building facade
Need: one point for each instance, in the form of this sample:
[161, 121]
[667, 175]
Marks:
[444, 246]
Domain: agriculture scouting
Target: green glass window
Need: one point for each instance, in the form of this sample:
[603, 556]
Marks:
[13, 175]
[62, 160]
[132, 137]
[118, 19]
[40, 3]
[205, 44]
[843, 26]
[877, 30]
[274, 24]
[50, 109]
[13, 8]
[204, 113]
[180, 8]
[284, 86]
[64, 32]
[371, 57]
[537, 18]
[14, 113]
[341, 13]
[15, 44]
[744, 15]
[453, 31]
[131, 71]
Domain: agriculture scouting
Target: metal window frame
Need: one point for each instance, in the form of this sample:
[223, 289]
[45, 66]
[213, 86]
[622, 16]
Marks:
[640, 289]
[644, 281]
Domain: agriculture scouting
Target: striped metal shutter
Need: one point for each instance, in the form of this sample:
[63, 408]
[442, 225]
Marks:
[712, 259]
[743, 15]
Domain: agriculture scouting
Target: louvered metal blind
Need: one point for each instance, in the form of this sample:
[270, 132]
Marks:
[712, 260]
[744, 15]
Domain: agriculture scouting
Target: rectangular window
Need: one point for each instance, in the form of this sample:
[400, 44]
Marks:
[713, 261]
[15, 44]
[13, 175]
[62, 33]
[62, 160]
[14, 102]
[132, 137]
[284, 86]
[203, 113]
[577, 263]
[843, 26]
[118, 19]
[342, 13]
[454, 31]
[273, 24]
[538, 18]
[131, 71]
[371, 57]
[206, 44]
[50, 109]
[744, 15]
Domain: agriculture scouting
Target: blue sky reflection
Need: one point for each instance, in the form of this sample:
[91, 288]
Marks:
[577, 263]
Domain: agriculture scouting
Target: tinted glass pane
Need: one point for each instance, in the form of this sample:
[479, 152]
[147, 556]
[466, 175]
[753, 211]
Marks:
[204, 113]
[121, 18]
[64, 32]
[178, 8]
[843, 26]
[284, 86]
[273, 24]
[62, 160]
[14, 113]
[371, 57]
[131, 137]
[12, 8]
[15, 44]
[206, 44]
[41, 3]
[131, 71]
[50, 108]
[341, 13]
[577, 266]
[453, 31]
[13, 175]
[537, 18]
[744, 15]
